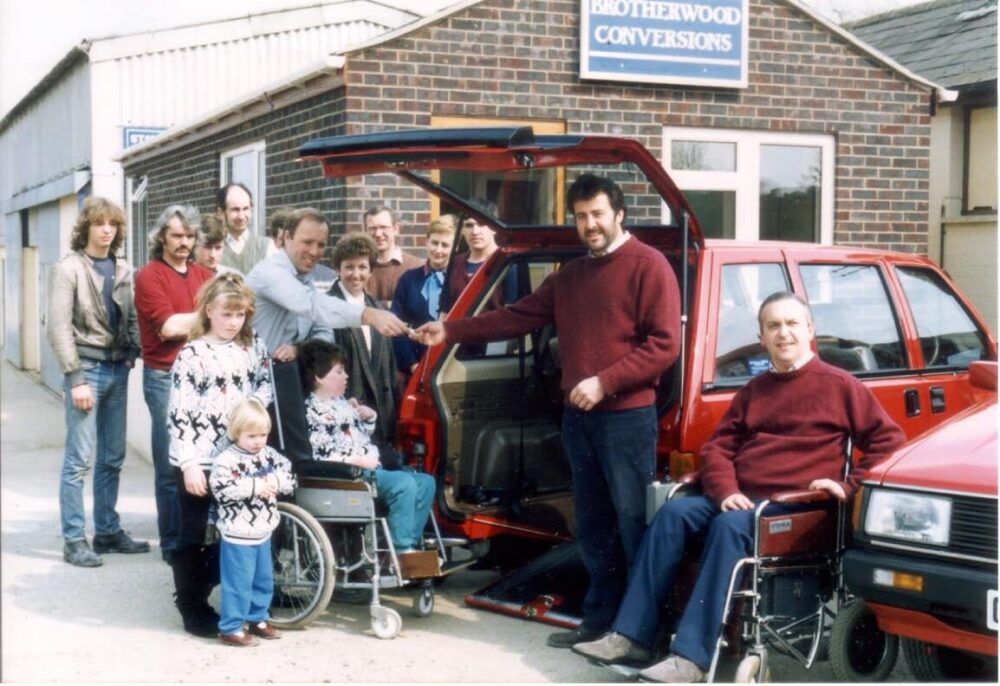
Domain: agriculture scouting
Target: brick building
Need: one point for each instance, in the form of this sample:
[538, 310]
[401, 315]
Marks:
[822, 115]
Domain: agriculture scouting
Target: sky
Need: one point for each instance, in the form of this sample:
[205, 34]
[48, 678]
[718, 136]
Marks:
[31, 43]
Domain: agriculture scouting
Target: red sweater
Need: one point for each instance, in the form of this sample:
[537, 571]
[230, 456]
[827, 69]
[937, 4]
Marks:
[617, 316]
[162, 291]
[782, 431]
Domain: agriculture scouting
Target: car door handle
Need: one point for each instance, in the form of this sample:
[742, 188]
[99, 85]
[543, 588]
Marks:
[912, 399]
[937, 399]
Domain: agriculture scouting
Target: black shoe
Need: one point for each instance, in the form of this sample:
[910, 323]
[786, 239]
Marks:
[79, 554]
[568, 639]
[119, 543]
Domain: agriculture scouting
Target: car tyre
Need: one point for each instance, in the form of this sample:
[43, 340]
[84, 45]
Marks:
[931, 662]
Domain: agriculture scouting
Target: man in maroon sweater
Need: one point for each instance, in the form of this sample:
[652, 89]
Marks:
[787, 429]
[617, 311]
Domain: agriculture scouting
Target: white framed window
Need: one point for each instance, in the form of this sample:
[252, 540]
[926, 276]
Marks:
[246, 165]
[754, 185]
[137, 248]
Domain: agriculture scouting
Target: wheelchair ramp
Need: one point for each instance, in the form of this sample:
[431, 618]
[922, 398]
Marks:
[548, 589]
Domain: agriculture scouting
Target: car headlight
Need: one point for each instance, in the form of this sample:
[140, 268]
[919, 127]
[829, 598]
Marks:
[908, 516]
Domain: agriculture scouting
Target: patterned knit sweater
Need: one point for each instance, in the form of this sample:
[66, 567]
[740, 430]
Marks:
[243, 516]
[208, 380]
[336, 432]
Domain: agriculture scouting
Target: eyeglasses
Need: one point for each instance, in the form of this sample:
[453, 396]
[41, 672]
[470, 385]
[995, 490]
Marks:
[381, 227]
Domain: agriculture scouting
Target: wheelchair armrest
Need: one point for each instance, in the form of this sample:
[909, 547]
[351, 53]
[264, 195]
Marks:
[327, 470]
[690, 479]
[800, 497]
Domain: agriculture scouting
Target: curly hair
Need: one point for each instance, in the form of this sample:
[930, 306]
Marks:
[353, 245]
[237, 296]
[95, 211]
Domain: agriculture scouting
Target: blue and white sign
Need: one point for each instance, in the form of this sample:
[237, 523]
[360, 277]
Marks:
[698, 43]
[134, 135]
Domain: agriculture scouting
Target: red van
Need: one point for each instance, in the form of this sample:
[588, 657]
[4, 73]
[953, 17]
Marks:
[924, 556]
[486, 419]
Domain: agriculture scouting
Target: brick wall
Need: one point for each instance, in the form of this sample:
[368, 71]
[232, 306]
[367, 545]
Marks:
[519, 59]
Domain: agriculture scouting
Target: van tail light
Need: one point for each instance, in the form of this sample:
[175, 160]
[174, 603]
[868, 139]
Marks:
[412, 437]
[681, 464]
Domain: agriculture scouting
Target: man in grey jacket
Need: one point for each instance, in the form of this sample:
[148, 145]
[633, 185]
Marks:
[93, 333]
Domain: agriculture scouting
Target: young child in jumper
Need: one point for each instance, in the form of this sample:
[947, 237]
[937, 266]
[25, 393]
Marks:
[246, 480]
[223, 364]
[340, 431]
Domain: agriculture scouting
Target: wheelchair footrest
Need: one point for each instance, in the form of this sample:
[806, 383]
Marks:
[419, 564]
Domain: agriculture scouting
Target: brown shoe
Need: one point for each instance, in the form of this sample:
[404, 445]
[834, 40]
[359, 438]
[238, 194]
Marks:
[264, 630]
[239, 639]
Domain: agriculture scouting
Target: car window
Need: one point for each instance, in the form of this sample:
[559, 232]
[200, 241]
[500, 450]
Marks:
[518, 280]
[856, 328]
[948, 335]
[738, 353]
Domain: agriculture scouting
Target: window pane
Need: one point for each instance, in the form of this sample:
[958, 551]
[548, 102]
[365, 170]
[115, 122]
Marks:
[716, 212]
[856, 329]
[982, 176]
[738, 353]
[701, 156]
[948, 336]
[790, 192]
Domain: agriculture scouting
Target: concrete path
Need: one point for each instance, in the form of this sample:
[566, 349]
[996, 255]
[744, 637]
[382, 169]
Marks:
[117, 622]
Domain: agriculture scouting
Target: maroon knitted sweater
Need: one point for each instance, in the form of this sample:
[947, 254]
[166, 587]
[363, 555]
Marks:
[618, 317]
[782, 431]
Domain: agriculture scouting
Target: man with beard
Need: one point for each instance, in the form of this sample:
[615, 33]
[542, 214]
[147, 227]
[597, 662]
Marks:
[165, 292]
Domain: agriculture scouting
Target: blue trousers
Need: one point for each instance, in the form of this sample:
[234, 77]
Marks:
[409, 496]
[99, 432]
[730, 538]
[613, 458]
[156, 392]
[247, 584]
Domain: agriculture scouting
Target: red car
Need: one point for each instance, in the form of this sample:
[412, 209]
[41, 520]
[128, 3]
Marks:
[486, 419]
[924, 556]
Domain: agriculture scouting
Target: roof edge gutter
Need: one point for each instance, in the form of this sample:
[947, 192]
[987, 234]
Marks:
[76, 54]
[331, 64]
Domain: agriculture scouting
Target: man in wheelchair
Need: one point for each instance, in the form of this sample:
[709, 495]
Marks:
[786, 430]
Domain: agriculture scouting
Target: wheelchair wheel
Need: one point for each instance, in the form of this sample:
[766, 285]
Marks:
[930, 662]
[423, 601]
[386, 622]
[859, 650]
[303, 568]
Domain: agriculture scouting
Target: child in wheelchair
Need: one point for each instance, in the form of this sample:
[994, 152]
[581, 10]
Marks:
[340, 430]
[786, 430]
[246, 479]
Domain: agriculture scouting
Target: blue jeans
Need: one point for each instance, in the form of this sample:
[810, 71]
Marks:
[103, 429]
[613, 458]
[247, 584]
[156, 391]
[409, 496]
[730, 538]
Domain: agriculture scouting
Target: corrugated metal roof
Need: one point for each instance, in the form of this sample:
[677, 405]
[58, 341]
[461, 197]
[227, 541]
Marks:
[951, 42]
[161, 78]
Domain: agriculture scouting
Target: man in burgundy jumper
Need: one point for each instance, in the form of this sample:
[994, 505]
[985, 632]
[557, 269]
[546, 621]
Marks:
[785, 430]
[617, 312]
[164, 302]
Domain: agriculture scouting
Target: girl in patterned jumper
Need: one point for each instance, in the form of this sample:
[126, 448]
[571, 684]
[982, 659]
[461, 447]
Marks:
[340, 431]
[246, 479]
[223, 364]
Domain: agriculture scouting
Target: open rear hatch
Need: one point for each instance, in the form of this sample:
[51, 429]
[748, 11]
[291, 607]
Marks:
[498, 407]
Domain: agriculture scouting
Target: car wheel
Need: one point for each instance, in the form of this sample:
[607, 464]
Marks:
[930, 662]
